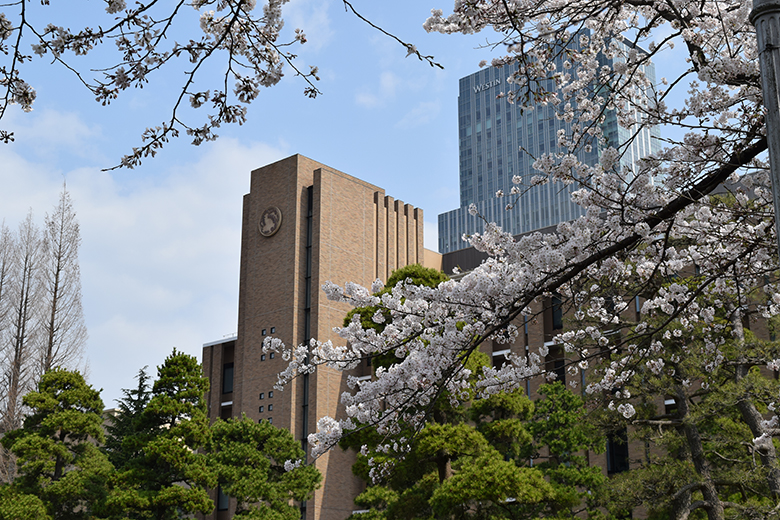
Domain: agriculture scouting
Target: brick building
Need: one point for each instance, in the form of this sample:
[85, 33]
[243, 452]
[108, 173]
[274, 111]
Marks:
[305, 223]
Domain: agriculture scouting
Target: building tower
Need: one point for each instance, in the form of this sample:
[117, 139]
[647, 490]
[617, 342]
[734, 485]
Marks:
[305, 223]
[498, 140]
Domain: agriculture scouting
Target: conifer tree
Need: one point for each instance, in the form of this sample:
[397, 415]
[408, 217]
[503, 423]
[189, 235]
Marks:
[262, 467]
[124, 427]
[166, 475]
[58, 460]
[490, 457]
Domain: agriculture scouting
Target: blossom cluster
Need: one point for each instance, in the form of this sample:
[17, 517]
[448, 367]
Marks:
[659, 271]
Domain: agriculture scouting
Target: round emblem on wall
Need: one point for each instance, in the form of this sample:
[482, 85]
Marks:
[270, 221]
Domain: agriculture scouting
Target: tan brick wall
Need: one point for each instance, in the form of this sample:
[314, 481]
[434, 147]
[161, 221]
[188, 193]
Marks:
[359, 234]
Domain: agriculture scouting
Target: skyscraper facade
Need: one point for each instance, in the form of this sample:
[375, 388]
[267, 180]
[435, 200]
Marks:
[499, 140]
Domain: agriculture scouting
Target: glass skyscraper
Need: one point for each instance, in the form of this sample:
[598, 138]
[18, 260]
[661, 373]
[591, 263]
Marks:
[499, 140]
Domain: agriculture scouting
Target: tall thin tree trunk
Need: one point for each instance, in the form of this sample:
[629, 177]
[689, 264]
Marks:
[23, 302]
[7, 244]
[63, 327]
[22, 314]
[751, 415]
[713, 505]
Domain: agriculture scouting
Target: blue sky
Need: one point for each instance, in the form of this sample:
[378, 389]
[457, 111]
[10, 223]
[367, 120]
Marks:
[160, 252]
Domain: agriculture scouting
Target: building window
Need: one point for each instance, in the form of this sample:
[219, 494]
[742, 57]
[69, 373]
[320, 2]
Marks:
[560, 370]
[270, 420]
[227, 378]
[261, 409]
[499, 357]
[556, 361]
[617, 452]
[226, 412]
[273, 330]
[271, 355]
[223, 501]
[270, 394]
[262, 357]
[262, 395]
[557, 312]
[270, 408]
[263, 333]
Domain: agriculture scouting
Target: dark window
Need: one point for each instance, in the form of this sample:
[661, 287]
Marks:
[222, 500]
[263, 333]
[227, 378]
[270, 420]
[270, 408]
[271, 355]
[609, 303]
[270, 394]
[262, 357]
[557, 312]
[617, 452]
[262, 395]
[560, 370]
[226, 413]
[556, 362]
[262, 408]
[273, 330]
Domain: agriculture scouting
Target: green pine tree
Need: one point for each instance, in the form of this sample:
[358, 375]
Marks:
[167, 476]
[60, 469]
[474, 461]
[123, 428]
[262, 467]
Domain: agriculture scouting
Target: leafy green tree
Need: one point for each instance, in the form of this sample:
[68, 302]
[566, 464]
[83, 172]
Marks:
[60, 469]
[701, 402]
[167, 476]
[123, 429]
[561, 435]
[703, 448]
[476, 463]
[262, 467]
[15, 505]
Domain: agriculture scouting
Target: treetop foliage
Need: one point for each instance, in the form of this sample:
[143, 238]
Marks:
[41, 318]
[262, 467]
[59, 466]
[160, 457]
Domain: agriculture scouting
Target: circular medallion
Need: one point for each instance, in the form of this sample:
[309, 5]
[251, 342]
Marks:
[270, 221]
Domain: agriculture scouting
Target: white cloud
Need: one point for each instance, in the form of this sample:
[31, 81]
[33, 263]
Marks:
[49, 132]
[423, 113]
[159, 256]
[380, 95]
[313, 18]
